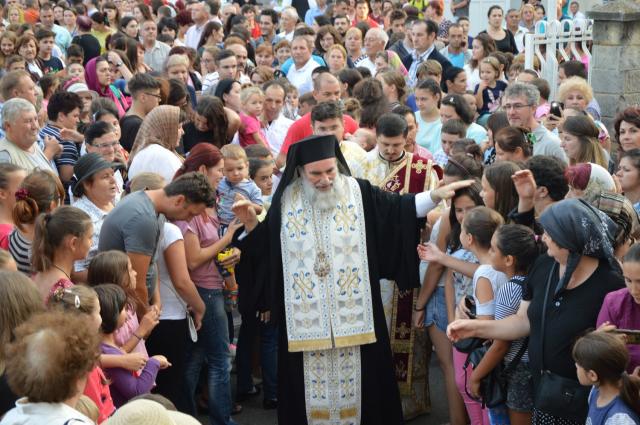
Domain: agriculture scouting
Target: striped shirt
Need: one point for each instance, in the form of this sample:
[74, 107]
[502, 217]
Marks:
[507, 304]
[20, 250]
[69, 155]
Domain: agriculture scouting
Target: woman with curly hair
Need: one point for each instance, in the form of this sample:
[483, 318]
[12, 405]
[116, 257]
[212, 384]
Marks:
[374, 103]
[209, 124]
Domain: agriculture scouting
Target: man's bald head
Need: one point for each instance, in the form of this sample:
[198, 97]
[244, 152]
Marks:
[326, 87]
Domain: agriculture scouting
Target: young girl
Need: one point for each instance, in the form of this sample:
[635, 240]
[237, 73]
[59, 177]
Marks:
[621, 308]
[10, 178]
[441, 287]
[498, 190]
[428, 95]
[40, 192]
[84, 300]
[513, 250]
[261, 172]
[291, 103]
[601, 359]
[115, 267]
[124, 385]
[251, 131]
[490, 89]
[61, 238]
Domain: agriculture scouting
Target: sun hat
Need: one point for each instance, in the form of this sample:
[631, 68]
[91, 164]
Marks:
[88, 165]
[147, 412]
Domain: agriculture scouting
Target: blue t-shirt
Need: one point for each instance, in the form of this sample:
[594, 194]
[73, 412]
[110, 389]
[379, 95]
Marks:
[456, 60]
[227, 194]
[491, 97]
[428, 134]
[614, 413]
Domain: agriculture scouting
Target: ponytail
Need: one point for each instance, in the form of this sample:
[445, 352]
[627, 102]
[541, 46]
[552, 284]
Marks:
[630, 391]
[50, 231]
[38, 191]
[520, 242]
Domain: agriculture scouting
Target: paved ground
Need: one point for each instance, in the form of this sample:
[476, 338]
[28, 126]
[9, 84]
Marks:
[253, 414]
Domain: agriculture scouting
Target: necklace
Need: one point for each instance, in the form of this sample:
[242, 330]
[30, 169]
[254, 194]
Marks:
[65, 273]
[321, 266]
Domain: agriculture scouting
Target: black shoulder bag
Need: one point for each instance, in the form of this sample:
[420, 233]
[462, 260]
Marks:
[557, 395]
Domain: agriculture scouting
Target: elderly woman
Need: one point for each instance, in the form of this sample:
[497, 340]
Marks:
[99, 78]
[154, 149]
[562, 298]
[94, 190]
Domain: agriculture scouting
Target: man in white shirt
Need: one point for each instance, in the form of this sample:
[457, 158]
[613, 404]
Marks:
[374, 41]
[155, 52]
[574, 11]
[513, 25]
[277, 124]
[288, 20]
[299, 74]
[200, 14]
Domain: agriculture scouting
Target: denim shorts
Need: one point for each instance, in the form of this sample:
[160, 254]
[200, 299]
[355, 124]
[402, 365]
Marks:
[436, 310]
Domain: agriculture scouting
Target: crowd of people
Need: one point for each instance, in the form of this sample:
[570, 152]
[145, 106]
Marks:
[361, 182]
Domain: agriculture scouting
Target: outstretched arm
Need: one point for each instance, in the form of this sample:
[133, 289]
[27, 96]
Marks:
[508, 329]
[426, 201]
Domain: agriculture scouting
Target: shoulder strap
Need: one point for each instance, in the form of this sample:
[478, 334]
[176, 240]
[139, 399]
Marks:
[516, 359]
[544, 312]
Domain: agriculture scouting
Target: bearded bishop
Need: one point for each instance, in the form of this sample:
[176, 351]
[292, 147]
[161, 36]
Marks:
[316, 263]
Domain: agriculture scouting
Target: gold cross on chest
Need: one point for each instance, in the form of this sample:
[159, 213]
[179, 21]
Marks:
[419, 166]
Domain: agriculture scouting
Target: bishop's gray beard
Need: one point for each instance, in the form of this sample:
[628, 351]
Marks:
[325, 200]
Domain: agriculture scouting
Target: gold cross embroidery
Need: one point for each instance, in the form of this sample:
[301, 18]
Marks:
[297, 223]
[348, 281]
[343, 218]
[303, 284]
[419, 166]
[403, 330]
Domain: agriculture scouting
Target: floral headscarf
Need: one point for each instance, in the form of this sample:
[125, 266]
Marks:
[159, 127]
[582, 229]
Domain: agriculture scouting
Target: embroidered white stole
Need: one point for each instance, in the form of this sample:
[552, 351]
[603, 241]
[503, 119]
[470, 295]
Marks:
[334, 311]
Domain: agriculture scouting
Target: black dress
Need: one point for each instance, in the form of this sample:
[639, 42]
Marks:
[507, 44]
[392, 233]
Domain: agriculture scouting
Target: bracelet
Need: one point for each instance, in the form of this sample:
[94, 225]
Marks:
[139, 338]
[419, 309]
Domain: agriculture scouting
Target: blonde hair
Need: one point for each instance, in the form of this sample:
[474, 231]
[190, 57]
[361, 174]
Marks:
[493, 63]
[429, 67]
[339, 48]
[233, 152]
[175, 60]
[146, 181]
[575, 84]
[353, 30]
[247, 92]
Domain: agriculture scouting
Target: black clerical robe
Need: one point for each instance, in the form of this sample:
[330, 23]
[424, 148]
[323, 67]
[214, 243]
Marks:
[392, 230]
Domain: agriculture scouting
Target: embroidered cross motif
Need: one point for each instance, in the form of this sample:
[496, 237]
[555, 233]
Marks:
[403, 330]
[393, 185]
[348, 281]
[303, 285]
[343, 217]
[419, 166]
[297, 223]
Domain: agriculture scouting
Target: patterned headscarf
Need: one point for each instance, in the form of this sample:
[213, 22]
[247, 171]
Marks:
[575, 225]
[159, 127]
[590, 178]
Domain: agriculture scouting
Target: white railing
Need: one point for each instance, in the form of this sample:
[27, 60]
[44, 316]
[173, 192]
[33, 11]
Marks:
[554, 40]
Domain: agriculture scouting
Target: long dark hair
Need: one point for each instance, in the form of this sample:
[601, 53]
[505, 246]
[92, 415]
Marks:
[473, 192]
[520, 242]
[607, 355]
[499, 177]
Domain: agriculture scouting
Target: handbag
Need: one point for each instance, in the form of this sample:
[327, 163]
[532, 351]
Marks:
[557, 395]
[493, 387]
[469, 345]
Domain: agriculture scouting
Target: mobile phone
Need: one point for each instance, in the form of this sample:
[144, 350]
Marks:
[471, 306]
[556, 108]
[632, 336]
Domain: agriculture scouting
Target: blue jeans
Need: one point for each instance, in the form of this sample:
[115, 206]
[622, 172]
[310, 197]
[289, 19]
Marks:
[268, 356]
[213, 348]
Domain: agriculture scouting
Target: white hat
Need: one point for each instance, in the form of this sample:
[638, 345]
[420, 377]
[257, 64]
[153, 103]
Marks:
[147, 412]
[80, 87]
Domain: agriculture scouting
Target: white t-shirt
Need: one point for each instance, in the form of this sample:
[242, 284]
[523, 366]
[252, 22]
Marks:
[155, 159]
[173, 307]
[497, 279]
[301, 78]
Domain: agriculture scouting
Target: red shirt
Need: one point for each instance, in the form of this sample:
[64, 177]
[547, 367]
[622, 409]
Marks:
[97, 389]
[302, 128]
[372, 23]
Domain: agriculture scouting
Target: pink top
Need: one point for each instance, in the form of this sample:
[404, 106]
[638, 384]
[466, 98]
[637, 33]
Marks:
[125, 332]
[250, 125]
[5, 231]
[97, 389]
[206, 229]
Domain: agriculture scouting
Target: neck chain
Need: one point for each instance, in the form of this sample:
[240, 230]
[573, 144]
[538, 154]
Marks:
[65, 273]
[321, 266]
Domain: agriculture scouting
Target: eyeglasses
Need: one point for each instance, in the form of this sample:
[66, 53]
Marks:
[509, 106]
[157, 96]
[106, 145]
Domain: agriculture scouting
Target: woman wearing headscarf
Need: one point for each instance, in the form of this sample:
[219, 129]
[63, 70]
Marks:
[587, 180]
[561, 300]
[154, 149]
[99, 78]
